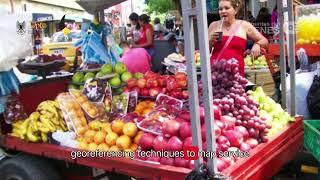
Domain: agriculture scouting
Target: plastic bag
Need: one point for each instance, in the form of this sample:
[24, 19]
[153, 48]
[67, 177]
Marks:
[15, 39]
[14, 110]
[120, 103]
[313, 98]
[133, 99]
[72, 113]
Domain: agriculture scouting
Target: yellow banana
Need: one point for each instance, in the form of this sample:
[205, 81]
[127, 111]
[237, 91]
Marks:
[63, 125]
[30, 136]
[34, 125]
[17, 124]
[44, 129]
[47, 123]
[54, 120]
[44, 137]
[34, 116]
[24, 126]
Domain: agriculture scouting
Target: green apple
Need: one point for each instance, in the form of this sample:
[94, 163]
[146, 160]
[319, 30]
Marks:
[106, 68]
[89, 75]
[138, 75]
[120, 68]
[115, 82]
[78, 77]
[126, 76]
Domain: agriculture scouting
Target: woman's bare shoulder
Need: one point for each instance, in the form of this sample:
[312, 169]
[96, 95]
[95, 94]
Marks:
[214, 25]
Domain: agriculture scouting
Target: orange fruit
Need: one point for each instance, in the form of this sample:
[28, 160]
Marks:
[134, 147]
[114, 148]
[144, 104]
[89, 135]
[95, 125]
[103, 147]
[117, 126]
[111, 138]
[92, 147]
[83, 145]
[139, 108]
[137, 138]
[152, 105]
[123, 142]
[146, 111]
[81, 130]
[100, 137]
[130, 129]
[106, 127]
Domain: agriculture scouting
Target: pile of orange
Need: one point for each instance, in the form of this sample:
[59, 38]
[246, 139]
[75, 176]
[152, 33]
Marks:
[144, 107]
[114, 136]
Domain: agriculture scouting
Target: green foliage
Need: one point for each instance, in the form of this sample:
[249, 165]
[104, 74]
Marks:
[160, 6]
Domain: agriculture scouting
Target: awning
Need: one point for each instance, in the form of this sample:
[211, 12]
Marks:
[42, 17]
[94, 6]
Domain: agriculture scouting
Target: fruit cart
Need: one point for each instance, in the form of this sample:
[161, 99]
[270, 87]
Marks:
[264, 161]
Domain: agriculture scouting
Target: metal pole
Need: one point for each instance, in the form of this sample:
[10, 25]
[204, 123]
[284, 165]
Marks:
[292, 59]
[283, 66]
[188, 14]
[206, 81]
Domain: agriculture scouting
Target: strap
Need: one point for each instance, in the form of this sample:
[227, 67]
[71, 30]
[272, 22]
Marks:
[228, 41]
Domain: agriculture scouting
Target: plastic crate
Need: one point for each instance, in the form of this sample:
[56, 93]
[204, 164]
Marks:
[312, 137]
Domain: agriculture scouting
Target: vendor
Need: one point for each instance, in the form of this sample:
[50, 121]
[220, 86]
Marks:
[234, 35]
[135, 27]
[136, 59]
[146, 35]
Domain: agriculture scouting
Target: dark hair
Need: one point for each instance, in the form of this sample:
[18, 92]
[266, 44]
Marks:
[263, 16]
[124, 43]
[135, 17]
[172, 39]
[156, 20]
[237, 5]
[144, 18]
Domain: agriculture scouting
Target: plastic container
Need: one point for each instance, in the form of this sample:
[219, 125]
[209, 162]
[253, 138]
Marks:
[95, 90]
[72, 113]
[120, 103]
[133, 99]
[312, 137]
[163, 99]
[93, 110]
[108, 99]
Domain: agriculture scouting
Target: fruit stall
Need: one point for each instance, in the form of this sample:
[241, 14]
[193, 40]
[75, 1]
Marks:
[128, 116]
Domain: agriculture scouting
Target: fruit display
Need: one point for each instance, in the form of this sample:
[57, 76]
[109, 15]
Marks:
[308, 24]
[92, 109]
[72, 113]
[14, 110]
[152, 84]
[258, 62]
[48, 118]
[230, 96]
[44, 58]
[120, 103]
[272, 111]
[105, 136]
[107, 102]
[144, 107]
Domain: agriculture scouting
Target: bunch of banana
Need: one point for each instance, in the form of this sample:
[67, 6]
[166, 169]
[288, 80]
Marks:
[47, 118]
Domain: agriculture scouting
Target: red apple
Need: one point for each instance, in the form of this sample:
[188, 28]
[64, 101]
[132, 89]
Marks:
[229, 121]
[176, 94]
[126, 89]
[131, 83]
[153, 92]
[171, 84]
[141, 82]
[182, 83]
[185, 95]
[217, 112]
[235, 138]
[187, 142]
[185, 130]
[136, 89]
[152, 83]
[161, 81]
[150, 74]
[180, 76]
[144, 91]
[163, 90]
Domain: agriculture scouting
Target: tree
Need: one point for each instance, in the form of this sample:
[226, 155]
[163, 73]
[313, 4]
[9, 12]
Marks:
[161, 6]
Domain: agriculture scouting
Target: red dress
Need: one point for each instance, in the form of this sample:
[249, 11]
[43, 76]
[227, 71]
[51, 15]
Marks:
[143, 35]
[235, 49]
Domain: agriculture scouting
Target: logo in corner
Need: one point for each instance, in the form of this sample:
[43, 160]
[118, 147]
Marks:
[21, 27]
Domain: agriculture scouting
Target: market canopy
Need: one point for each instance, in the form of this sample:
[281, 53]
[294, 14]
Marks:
[93, 6]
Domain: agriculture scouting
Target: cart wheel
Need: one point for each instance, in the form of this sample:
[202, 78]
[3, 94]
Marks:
[27, 167]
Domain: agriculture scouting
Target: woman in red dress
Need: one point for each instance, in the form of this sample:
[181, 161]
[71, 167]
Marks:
[234, 35]
[146, 35]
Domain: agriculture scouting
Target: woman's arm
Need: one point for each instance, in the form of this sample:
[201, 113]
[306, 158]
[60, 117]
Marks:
[259, 40]
[255, 35]
[211, 31]
[149, 34]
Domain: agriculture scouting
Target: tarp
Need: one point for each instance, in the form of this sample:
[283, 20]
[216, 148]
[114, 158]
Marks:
[93, 6]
